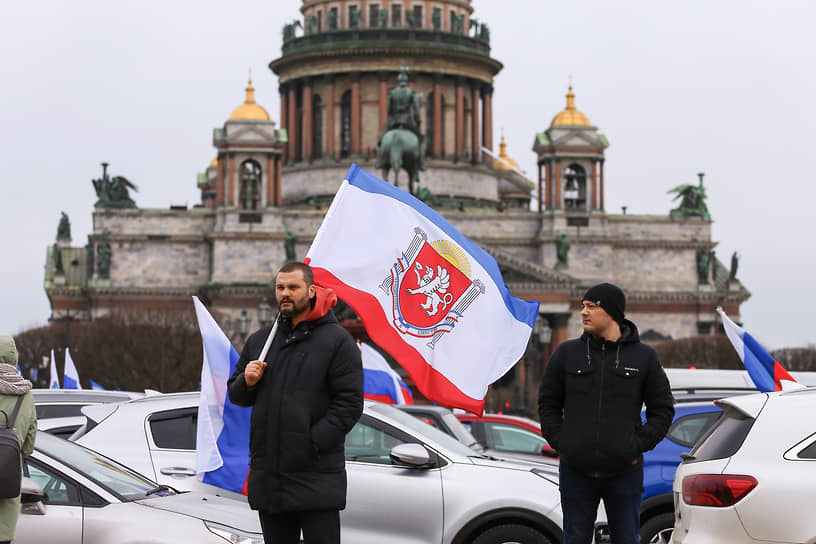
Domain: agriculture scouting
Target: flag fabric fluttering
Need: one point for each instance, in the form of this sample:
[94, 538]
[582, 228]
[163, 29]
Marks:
[54, 379]
[765, 371]
[380, 381]
[70, 376]
[427, 295]
[222, 436]
[96, 386]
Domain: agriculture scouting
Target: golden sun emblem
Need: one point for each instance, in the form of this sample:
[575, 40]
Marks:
[453, 254]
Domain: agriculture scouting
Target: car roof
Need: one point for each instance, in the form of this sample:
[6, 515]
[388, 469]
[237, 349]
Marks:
[82, 395]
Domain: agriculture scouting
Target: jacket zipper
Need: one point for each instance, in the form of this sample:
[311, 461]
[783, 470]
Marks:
[600, 391]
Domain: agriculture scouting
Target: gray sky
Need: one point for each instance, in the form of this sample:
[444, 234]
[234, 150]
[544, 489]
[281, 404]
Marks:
[724, 88]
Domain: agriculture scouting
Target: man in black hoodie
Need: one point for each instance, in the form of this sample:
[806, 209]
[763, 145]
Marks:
[589, 402]
[305, 395]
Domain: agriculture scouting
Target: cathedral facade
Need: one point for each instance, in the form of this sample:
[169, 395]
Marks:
[266, 190]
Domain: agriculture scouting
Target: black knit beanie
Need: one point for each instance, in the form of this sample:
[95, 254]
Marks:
[610, 298]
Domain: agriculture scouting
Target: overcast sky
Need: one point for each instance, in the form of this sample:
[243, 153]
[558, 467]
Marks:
[726, 88]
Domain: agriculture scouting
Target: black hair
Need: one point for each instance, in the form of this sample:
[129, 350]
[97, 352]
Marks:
[305, 269]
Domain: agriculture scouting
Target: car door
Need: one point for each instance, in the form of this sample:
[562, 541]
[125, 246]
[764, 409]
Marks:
[386, 502]
[61, 519]
[171, 438]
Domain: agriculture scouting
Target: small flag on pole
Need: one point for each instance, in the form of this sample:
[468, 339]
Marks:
[70, 376]
[222, 436]
[765, 371]
[380, 381]
[54, 380]
[96, 386]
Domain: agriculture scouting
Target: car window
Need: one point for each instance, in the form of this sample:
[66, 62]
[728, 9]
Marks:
[503, 437]
[724, 438]
[370, 445]
[174, 429]
[688, 429]
[808, 453]
[58, 490]
[46, 411]
[467, 425]
[418, 428]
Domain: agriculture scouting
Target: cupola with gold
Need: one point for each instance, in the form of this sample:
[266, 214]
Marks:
[570, 163]
[246, 172]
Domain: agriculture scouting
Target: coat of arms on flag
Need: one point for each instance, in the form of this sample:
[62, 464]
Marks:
[430, 287]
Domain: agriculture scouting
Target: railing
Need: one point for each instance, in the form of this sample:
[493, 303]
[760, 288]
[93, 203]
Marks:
[390, 37]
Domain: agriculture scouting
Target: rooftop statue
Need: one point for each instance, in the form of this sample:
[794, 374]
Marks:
[693, 200]
[562, 247]
[332, 19]
[354, 17]
[732, 275]
[484, 33]
[436, 19]
[113, 192]
[383, 18]
[64, 228]
[402, 144]
[289, 30]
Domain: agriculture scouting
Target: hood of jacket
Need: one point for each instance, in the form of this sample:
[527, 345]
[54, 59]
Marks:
[8, 350]
[325, 300]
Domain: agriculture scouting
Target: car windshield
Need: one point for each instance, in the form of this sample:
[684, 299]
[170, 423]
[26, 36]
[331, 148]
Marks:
[119, 480]
[422, 429]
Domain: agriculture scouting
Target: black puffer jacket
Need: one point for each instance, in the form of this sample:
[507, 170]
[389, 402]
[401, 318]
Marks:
[311, 394]
[590, 404]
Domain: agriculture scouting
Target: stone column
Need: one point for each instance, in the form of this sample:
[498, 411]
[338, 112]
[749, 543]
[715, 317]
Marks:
[230, 197]
[557, 183]
[383, 100]
[475, 141]
[594, 185]
[439, 138]
[293, 133]
[308, 119]
[219, 183]
[271, 179]
[278, 189]
[487, 117]
[459, 135]
[548, 184]
[355, 113]
[540, 189]
[602, 186]
[330, 116]
[284, 115]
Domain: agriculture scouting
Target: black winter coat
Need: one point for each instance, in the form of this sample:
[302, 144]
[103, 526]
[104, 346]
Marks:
[590, 404]
[310, 396]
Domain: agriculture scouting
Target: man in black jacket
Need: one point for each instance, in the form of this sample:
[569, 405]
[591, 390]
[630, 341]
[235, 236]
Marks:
[305, 395]
[589, 402]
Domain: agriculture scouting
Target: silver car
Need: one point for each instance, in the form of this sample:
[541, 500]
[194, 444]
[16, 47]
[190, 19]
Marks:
[72, 495]
[407, 482]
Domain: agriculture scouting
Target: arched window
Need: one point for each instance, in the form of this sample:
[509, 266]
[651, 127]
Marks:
[430, 135]
[345, 124]
[250, 184]
[317, 126]
[574, 186]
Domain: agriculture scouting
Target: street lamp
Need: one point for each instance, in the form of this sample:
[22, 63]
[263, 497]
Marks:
[243, 325]
[264, 312]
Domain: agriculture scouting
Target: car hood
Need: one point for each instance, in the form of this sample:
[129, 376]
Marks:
[208, 507]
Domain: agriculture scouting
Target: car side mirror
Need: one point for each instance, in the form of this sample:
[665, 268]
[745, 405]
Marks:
[414, 455]
[547, 451]
[31, 497]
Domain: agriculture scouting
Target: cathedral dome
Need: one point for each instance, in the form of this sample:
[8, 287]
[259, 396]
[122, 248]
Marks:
[570, 116]
[249, 110]
[506, 163]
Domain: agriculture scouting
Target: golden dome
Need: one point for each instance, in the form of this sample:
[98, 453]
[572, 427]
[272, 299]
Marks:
[570, 116]
[249, 110]
[508, 164]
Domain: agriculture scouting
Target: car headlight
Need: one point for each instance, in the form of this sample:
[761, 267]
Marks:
[233, 535]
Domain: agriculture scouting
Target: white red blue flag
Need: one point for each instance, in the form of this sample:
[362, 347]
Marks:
[222, 436]
[70, 376]
[426, 294]
[380, 381]
[53, 382]
[765, 371]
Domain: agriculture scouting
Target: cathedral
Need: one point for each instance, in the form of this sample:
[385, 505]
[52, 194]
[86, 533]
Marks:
[271, 180]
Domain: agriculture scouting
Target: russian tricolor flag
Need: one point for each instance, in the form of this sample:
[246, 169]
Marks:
[765, 371]
[380, 382]
[427, 295]
[70, 376]
[222, 436]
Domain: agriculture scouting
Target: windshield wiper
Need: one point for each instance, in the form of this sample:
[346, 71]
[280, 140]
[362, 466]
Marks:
[159, 488]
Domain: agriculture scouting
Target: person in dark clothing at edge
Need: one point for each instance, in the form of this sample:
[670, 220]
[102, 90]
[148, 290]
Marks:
[589, 402]
[305, 396]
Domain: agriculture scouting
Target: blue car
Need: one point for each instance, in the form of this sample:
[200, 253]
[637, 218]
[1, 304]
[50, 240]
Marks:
[691, 421]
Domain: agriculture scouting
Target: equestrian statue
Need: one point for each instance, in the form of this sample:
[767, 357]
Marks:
[402, 144]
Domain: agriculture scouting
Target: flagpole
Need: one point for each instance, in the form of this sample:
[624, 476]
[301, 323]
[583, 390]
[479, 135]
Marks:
[269, 339]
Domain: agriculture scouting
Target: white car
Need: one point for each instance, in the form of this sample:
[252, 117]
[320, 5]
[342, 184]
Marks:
[407, 482]
[72, 495]
[750, 479]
